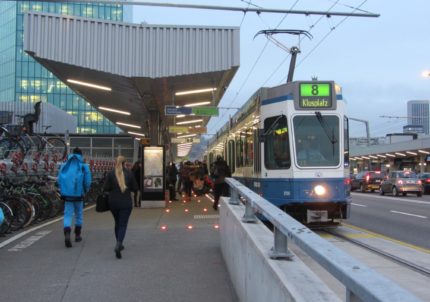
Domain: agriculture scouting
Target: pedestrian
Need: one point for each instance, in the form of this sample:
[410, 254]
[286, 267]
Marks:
[172, 173]
[74, 179]
[220, 170]
[136, 172]
[120, 182]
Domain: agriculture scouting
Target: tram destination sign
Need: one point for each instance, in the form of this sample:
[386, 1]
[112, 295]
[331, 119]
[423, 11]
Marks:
[315, 96]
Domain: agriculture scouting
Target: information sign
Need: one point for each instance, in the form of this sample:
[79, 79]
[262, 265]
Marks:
[315, 96]
[176, 110]
[205, 111]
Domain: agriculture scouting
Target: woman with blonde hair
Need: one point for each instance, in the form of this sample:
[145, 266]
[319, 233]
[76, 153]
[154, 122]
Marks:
[120, 183]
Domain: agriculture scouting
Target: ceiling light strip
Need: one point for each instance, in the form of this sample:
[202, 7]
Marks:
[128, 125]
[89, 85]
[114, 110]
[195, 91]
[136, 133]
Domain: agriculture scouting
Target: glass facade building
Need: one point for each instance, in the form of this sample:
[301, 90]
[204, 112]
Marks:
[22, 79]
[419, 114]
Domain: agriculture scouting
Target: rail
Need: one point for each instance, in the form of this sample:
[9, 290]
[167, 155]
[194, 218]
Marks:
[361, 282]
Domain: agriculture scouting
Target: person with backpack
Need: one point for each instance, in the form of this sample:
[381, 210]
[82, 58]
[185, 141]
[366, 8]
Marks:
[119, 183]
[220, 170]
[74, 180]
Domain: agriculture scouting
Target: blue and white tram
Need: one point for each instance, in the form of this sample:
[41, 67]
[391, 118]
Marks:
[290, 144]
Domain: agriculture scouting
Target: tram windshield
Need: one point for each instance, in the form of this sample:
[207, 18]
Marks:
[276, 146]
[317, 140]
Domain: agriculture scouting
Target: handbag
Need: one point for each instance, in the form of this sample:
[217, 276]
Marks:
[102, 203]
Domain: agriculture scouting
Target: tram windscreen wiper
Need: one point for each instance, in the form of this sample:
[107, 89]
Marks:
[275, 122]
[324, 125]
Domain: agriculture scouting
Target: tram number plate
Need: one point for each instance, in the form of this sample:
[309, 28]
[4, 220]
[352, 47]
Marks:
[317, 216]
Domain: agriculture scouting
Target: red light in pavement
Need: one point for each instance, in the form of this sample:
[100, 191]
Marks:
[163, 227]
[186, 210]
[216, 226]
[190, 227]
[170, 201]
[198, 200]
[205, 210]
[167, 210]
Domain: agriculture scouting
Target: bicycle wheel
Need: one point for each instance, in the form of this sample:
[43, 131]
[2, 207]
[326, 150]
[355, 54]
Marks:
[56, 148]
[9, 147]
[22, 212]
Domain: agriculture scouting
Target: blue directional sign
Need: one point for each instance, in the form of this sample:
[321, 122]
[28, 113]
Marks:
[174, 110]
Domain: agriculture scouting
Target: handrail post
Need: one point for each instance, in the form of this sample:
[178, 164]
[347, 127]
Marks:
[234, 196]
[351, 297]
[280, 246]
[249, 216]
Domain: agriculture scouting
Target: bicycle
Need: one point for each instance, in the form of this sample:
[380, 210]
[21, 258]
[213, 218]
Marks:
[22, 139]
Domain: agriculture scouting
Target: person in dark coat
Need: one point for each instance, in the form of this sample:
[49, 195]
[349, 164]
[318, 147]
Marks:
[136, 172]
[172, 173]
[120, 182]
[220, 171]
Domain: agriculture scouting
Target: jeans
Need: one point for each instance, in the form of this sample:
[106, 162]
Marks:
[70, 208]
[121, 221]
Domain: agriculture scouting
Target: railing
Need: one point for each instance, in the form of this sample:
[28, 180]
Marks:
[361, 282]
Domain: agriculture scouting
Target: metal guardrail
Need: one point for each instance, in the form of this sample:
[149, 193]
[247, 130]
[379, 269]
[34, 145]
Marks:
[361, 282]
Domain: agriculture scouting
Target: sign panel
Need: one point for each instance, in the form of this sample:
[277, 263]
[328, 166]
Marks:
[176, 110]
[315, 96]
[153, 169]
[206, 111]
[178, 129]
[196, 140]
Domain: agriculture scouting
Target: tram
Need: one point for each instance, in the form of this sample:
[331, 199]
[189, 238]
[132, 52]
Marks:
[290, 145]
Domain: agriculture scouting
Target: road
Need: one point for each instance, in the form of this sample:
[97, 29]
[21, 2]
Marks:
[405, 219]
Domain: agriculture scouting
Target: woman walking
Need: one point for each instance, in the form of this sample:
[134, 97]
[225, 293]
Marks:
[120, 183]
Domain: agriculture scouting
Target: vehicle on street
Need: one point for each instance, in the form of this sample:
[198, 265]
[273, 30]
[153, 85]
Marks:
[402, 182]
[367, 180]
[425, 179]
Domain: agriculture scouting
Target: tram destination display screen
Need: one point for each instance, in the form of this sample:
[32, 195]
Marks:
[315, 96]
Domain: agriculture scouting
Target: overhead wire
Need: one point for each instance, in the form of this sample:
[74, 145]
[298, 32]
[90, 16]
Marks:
[311, 27]
[252, 69]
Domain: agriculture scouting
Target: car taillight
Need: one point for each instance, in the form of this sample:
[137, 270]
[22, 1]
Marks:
[419, 182]
[367, 178]
[400, 182]
[427, 179]
[347, 181]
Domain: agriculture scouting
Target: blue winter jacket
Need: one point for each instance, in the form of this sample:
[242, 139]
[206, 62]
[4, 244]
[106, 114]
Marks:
[74, 178]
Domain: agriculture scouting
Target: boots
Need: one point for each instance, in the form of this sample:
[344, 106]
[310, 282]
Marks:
[67, 241]
[78, 237]
[118, 248]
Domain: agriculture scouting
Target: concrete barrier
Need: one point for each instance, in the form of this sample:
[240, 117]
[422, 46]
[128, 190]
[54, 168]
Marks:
[256, 277]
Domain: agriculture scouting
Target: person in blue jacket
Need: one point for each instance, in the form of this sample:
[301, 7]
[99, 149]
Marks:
[74, 179]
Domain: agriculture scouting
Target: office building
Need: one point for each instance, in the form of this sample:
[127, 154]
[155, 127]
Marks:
[418, 114]
[24, 80]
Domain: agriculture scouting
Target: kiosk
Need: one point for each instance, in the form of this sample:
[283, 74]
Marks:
[153, 184]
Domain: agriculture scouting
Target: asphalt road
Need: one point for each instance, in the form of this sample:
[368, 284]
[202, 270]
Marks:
[402, 218]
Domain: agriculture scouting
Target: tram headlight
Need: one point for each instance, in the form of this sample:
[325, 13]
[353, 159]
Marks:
[320, 190]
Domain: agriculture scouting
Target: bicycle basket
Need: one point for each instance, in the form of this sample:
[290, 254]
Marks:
[6, 117]
[14, 130]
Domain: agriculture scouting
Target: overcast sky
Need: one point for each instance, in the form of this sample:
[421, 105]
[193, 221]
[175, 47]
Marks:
[378, 61]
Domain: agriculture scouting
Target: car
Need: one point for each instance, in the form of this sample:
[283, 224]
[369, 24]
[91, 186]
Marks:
[425, 179]
[367, 180]
[402, 182]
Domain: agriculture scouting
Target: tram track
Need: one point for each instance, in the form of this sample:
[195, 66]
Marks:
[422, 270]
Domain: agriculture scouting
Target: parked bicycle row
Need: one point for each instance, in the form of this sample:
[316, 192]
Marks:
[31, 202]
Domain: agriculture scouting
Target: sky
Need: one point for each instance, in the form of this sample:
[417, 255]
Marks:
[378, 62]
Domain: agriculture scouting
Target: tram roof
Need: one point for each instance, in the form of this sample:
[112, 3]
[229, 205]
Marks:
[143, 65]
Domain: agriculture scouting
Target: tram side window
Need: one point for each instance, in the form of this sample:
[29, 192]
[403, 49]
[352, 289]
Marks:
[276, 143]
[249, 148]
[239, 151]
[231, 154]
[346, 141]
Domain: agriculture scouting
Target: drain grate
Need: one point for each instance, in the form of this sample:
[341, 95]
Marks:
[206, 216]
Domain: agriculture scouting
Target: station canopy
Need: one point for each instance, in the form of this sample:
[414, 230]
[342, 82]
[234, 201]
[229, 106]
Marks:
[135, 68]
